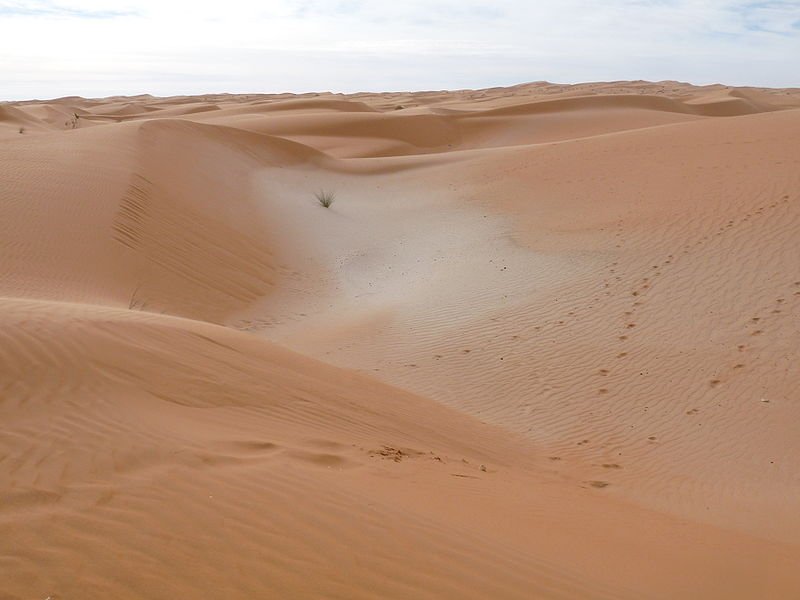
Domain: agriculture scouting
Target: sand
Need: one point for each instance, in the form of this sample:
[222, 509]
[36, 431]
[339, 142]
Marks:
[544, 344]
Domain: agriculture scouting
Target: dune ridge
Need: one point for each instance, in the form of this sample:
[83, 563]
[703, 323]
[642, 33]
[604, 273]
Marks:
[544, 344]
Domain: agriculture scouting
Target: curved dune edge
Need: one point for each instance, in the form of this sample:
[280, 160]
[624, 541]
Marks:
[541, 345]
[169, 473]
[171, 209]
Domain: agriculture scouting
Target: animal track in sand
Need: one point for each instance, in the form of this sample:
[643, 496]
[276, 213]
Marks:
[249, 447]
[322, 459]
[598, 484]
[393, 454]
[328, 445]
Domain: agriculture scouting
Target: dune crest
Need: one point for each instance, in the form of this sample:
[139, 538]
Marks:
[543, 343]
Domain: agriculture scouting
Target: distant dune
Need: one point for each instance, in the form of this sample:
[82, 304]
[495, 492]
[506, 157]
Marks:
[545, 343]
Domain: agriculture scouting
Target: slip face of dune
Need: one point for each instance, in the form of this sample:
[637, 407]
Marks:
[543, 344]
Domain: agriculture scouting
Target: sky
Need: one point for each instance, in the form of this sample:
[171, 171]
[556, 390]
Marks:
[96, 48]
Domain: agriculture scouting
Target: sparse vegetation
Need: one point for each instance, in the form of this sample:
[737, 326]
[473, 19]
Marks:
[22, 130]
[325, 198]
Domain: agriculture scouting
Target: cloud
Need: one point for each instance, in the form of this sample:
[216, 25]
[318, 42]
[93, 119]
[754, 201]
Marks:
[346, 45]
[43, 8]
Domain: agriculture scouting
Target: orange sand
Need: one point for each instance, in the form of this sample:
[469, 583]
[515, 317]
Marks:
[544, 344]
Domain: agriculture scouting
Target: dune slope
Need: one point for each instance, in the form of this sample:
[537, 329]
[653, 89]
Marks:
[544, 344]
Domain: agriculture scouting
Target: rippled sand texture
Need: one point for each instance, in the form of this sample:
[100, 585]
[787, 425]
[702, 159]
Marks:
[545, 343]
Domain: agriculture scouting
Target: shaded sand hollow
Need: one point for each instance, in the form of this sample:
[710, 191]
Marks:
[544, 344]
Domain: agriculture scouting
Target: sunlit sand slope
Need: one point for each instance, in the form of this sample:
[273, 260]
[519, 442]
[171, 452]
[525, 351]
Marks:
[543, 344]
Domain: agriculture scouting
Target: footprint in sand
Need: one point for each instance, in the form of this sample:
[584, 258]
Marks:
[243, 448]
[394, 454]
[322, 459]
[598, 484]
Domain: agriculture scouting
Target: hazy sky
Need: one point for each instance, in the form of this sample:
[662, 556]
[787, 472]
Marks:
[99, 48]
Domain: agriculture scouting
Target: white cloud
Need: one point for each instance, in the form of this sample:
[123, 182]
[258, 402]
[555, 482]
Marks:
[96, 47]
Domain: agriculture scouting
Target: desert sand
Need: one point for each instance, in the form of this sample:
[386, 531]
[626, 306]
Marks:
[545, 343]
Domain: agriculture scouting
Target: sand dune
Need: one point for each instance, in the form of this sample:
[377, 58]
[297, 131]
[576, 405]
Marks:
[544, 344]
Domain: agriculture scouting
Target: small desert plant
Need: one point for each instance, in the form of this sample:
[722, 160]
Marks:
[22, 130]
[325, 198]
